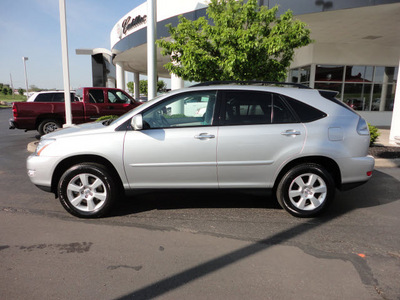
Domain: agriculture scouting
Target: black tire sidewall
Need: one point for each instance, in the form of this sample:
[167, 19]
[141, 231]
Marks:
[93, 169]
[282, 192]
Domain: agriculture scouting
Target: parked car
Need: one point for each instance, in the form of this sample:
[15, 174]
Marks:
[355, 104]
[50, 96]
[300, 143]
[91, 103]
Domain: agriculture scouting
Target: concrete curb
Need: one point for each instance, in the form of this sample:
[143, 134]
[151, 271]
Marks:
[379, 162]
[387, 163]
[32, 146]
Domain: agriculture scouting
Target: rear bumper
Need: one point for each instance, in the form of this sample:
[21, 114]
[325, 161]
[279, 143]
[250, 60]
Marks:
[12, 124]
[356, 170]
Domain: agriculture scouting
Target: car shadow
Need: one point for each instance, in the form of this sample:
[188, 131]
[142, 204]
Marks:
[381, 189]
[188, 199]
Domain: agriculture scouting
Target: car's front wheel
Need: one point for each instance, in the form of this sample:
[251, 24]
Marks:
[87, 190]
[306, 190]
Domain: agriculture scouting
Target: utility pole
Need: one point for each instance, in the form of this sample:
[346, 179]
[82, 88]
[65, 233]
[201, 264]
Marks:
[12, 87]
[24, 59]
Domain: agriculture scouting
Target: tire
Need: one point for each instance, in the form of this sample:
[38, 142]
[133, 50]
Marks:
[306, 190]
[48, 125]
[87, 190]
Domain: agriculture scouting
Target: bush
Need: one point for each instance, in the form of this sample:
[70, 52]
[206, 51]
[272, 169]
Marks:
[103, 118]
[373, 133]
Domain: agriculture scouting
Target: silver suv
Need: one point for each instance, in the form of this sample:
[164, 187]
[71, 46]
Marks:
[301, 143]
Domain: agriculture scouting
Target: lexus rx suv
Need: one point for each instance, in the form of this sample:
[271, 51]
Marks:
[298, 142]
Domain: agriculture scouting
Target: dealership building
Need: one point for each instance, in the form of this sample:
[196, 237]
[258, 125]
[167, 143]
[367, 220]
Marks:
[356, 51]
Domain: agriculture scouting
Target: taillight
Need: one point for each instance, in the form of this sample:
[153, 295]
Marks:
[14, 109]
[362, 127]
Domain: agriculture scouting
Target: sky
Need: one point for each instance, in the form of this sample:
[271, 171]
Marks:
[31, 28]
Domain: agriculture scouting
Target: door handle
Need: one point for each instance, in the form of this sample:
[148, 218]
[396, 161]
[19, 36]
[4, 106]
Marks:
[291, 132]
[204, 136]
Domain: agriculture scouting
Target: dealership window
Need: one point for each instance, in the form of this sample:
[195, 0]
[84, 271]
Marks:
[368, 88]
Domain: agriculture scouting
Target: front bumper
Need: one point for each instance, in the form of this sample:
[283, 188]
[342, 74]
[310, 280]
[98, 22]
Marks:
[40, 170]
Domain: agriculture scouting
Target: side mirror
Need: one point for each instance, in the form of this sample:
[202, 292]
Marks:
[137, 122]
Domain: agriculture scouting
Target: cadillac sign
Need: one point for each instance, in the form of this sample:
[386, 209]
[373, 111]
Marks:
[130, 23]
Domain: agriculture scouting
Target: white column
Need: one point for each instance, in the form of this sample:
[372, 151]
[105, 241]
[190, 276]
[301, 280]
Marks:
[384, 90]
[136, 90]
[151, 49]
[176, 82]
[395, 127]
[313, 71]
[65, 63]
[119, 68]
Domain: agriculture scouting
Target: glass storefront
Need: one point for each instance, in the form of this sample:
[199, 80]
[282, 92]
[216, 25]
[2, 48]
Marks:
[366, 88]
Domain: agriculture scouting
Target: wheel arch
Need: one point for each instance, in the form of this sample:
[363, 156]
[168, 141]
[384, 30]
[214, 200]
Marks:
[41, 118]
[92, 159]
[329, 164]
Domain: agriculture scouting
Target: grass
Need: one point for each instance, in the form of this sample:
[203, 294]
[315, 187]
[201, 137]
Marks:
[12, 98]
[6, 100]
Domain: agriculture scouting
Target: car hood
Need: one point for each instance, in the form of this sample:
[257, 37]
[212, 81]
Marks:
[80, 129]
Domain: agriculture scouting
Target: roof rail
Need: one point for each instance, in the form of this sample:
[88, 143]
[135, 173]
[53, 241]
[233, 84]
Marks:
[251, 82]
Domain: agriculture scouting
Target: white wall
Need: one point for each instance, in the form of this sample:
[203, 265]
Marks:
[346, 54]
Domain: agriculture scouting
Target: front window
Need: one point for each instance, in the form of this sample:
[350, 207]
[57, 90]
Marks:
[183, 110]
[118, 97]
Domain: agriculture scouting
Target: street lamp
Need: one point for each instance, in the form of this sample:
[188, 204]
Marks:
[24, 59]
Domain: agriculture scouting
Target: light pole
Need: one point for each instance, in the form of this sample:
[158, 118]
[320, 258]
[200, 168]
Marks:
[24, 59]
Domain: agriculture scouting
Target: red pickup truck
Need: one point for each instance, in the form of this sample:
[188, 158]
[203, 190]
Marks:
[93, 103]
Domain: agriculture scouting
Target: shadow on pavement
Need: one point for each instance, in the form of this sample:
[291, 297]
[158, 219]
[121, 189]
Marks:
[382, 189]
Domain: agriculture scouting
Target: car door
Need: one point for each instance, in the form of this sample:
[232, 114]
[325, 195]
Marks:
[175, 149]
[257, 134]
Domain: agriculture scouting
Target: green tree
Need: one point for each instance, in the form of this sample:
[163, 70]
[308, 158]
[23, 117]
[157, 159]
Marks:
[242, 41]
[6, 90]
[161, 86]
[131, 87]
[21, 91]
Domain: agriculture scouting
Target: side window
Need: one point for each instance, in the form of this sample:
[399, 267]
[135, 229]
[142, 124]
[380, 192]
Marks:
[183, 110]
[96, 96]
[305, 112]
[281, 114]
[46, 97]
[247, 107]
[118, 97]
[59, 97]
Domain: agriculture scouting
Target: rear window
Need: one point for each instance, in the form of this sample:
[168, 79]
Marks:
[53, 97]
[305, 112]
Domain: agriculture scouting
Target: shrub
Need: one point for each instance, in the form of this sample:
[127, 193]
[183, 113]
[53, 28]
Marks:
[373, 133]
[103, 118]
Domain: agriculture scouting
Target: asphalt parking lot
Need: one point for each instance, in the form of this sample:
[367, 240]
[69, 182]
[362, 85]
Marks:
[195, 245]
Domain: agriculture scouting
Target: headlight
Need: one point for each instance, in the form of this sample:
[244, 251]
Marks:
[42, 145]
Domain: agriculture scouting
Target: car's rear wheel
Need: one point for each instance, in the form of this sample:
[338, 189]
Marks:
[306, 190]
[48, 125]
[87, 190]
